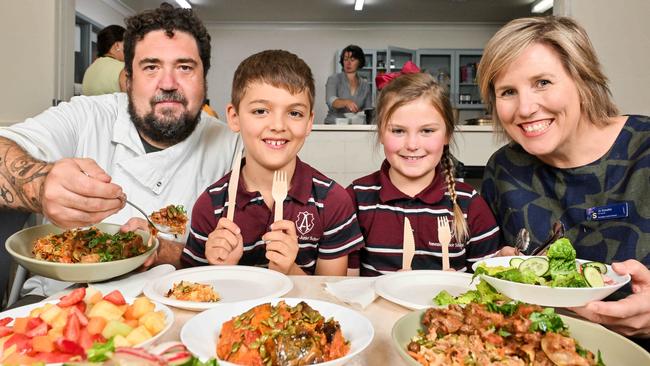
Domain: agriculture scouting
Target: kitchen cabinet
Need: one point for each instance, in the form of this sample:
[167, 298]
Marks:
[455, 68]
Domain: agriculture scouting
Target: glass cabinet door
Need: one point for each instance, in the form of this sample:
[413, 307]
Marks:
[469, 96]
[396, 57]
[437, 63]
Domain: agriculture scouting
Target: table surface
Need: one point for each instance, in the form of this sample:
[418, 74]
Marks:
[381, 313]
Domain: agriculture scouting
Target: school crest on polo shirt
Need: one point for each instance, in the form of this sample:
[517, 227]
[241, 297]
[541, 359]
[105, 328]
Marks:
[304, 222]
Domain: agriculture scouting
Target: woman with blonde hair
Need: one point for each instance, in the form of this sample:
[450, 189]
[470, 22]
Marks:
[415, 126]
[572, 158]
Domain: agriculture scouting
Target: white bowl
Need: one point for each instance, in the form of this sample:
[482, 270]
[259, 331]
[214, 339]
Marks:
[20, 245]
[200, 334]
[550, 296]
[342, 121]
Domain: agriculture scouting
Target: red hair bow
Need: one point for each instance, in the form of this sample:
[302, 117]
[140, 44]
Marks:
[408, 68]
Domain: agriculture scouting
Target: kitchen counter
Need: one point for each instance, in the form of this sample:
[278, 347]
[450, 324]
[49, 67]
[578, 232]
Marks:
[347, 152]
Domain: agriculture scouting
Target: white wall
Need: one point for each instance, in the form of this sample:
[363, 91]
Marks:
[619, 32]
[317, 44]
[36, 64]
[103, 12]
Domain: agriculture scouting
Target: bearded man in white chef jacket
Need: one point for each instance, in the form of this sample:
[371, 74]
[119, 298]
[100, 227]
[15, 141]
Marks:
[76, 163]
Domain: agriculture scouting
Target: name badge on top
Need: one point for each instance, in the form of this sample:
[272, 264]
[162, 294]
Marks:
[608, 212]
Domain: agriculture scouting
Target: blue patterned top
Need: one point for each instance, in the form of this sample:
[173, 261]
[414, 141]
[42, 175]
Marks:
[525, 192]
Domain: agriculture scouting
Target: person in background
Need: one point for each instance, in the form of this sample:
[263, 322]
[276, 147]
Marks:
[77, 162]
[346, 92]
[416, 181]
[106, 74]
[572, 158]
[272, 108]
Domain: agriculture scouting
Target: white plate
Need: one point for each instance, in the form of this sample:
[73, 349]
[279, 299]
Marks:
[416, 289]
[550, 296]
[200, 334]
[24, 311]
[232, 283]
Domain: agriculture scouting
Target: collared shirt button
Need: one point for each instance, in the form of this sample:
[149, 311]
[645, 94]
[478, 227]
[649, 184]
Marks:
[158, 184]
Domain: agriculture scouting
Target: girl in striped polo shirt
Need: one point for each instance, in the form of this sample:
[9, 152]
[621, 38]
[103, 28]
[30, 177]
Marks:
[415, 126]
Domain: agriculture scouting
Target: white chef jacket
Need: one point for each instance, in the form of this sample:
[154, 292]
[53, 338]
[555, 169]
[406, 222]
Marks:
[100, 128]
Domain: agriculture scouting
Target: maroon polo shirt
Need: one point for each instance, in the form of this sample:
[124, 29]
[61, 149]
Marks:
[325, 219]
[381, 208]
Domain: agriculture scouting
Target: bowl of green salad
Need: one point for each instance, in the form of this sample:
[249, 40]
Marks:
[556, 279]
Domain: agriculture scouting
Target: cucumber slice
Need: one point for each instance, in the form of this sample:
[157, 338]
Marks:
[593, 276]
[601, 267]
[515, 262]
[537, 265]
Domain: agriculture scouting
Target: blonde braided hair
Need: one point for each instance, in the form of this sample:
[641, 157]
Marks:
[459, 226]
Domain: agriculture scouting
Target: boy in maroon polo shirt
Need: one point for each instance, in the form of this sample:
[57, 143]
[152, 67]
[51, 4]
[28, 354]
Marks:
[416, 181]
[272, 108]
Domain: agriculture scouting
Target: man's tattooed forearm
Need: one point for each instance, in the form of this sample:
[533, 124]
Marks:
[21, 178]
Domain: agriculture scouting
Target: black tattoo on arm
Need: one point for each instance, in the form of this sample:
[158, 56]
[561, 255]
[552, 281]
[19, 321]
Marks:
[22, 178]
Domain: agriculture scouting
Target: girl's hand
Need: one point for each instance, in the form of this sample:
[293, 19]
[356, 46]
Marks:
[225, 244]
[282, 247]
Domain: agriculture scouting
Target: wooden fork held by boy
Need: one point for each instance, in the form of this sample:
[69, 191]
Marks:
[279, 192]
[444, 237]
[408, 250]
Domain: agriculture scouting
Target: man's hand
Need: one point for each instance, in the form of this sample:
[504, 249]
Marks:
[282, 247]
[169, 252]
[77, 192]
[225, 244]
[631, 315]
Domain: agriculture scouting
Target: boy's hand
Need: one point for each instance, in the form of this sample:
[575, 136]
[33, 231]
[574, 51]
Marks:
[282, 247]
[225, 244]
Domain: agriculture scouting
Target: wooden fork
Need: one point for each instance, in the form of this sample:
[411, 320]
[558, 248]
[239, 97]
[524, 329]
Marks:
[444, 237]
[279, 192]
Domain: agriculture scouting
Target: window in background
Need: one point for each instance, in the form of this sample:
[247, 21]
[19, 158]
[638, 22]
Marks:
[85, 48]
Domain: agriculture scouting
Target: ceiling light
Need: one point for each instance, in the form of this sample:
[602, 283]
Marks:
[184, 4]
[540, 6]
[358, 5]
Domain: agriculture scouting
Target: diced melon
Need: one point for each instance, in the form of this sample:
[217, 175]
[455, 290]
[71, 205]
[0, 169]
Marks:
[121, 341]
[36, 312]
[153, 321]
[62, 319]
[55, 333]
[93, 295]
[20, 325]
[107, 310]
[138, 335]
[141, 306]
[50, 314]
[115, 327]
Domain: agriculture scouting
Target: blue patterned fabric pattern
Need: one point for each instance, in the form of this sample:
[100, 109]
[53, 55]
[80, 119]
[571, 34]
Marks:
[524, 192]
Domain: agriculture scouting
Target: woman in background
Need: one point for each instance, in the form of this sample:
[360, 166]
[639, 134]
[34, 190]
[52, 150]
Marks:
[346, 92]
[106, 74]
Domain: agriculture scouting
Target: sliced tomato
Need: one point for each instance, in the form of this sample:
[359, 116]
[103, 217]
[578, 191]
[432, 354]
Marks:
[39, 330]
[81, 306]
[53, 357]
[23, 343]
[85, 339]
[34, 322]
[72, 328]
[73, 297]
[5, 321]
[4, 331]
[68, 346]
[83, 319]
[115, 297]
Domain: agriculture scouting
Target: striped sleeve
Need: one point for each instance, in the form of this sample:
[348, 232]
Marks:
[485, 239]
[203, 222]
[354, 256]
[341, 234]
